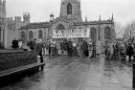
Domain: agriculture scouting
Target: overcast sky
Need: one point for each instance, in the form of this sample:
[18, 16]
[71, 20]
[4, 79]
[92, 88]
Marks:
[123, 10]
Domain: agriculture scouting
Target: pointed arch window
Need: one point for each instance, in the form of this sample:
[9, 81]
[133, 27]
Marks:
[93, 34]
[30, 35]
[40, 34]
[0, 34]
[69, 9]
[23, 36]
[107, 33]
[60, 27]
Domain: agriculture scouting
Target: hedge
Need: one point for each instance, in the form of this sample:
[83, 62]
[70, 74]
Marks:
[15, 59]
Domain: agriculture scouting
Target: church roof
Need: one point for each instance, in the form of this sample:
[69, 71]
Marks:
[48, 24]
[93, 22]
[36, 25]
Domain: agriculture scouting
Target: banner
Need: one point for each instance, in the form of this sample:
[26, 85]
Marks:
[75, 33]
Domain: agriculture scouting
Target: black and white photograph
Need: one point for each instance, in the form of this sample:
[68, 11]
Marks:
[67, 45]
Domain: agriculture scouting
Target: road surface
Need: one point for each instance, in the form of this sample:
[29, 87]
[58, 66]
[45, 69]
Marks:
[66, 73]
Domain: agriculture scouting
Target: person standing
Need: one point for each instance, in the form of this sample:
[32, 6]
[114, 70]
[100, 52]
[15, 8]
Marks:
[116, 51]
[41, 54]
[79, 49]
[69, 48]
[75, 52]
[90, 48]
[94, 50]
[85, 49]
[130, 51]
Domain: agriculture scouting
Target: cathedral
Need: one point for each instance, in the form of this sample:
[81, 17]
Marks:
[69, 25]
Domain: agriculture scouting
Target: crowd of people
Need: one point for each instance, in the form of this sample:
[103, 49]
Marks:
[113, 51]
[120, 51]
[66, 47]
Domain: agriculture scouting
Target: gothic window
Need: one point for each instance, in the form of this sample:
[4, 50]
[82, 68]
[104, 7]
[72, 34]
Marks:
[0, 34]
[40, 34]
[107, 33]
[30, 35]
[93, 34]
[23, 35]
[69, 9]
[60, 27]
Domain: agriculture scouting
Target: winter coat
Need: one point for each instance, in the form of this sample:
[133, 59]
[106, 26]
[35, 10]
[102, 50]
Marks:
[130, 50]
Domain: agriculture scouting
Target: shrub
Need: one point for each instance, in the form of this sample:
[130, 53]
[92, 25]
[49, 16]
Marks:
[15, 44]
[1, 45]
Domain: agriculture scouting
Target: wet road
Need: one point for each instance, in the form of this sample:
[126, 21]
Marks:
[65, 73]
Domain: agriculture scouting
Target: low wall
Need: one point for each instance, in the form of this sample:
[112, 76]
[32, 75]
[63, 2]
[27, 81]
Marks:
[15, 59]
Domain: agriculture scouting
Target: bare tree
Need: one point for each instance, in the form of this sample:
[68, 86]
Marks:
[119, 30]
[129, 31]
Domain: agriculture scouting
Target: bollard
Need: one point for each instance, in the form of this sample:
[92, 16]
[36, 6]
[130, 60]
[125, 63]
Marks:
[133, 75]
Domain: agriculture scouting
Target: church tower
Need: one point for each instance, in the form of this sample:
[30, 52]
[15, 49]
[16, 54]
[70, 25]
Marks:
[71, 9]
[2, 21]
[2, 9]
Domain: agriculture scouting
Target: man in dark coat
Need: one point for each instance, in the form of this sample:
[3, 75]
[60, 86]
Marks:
[84, 47]
[69, 48]
[116, 51]
[130, 51]
[39, 51]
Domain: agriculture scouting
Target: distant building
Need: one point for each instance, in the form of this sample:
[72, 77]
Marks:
[9, 26]
[13, 26]
[69, 25]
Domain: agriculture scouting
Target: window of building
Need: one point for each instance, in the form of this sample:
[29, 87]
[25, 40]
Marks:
[107, 33]
[23, 35]
[46, 35]
[40, 34]
[0, 34]
[60, 27]
[93, 34]
[69, 9]
[30, 35]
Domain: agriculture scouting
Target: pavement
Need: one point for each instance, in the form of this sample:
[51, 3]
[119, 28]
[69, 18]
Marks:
[75, 73]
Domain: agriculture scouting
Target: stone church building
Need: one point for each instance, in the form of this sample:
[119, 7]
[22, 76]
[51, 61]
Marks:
[69, 25]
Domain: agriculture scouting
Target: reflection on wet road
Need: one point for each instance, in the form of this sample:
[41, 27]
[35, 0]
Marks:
[66, 73]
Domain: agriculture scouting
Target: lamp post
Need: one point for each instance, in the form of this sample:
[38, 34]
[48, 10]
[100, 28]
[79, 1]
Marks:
[133, 66]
